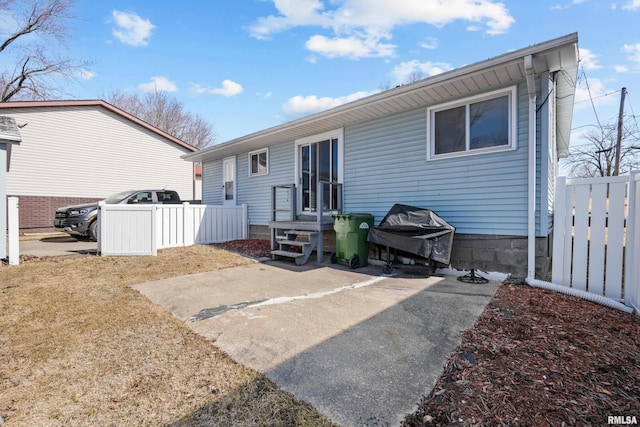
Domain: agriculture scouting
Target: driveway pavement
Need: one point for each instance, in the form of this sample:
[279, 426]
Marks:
[361, 347]
[56, 245]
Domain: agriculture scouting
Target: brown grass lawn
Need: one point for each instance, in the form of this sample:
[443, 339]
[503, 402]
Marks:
[78, 346]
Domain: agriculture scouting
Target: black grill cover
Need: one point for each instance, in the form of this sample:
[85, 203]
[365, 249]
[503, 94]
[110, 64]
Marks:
[415, 230]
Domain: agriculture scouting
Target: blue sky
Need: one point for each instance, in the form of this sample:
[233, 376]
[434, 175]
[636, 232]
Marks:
[246, 65]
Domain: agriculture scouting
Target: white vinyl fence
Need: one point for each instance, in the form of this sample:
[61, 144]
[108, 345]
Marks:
[596, 242]
[143, 229]
[13, 228]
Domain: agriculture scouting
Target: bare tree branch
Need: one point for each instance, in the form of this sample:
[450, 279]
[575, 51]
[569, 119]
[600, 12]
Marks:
[38, 71]
[599, 156]
[166, 113]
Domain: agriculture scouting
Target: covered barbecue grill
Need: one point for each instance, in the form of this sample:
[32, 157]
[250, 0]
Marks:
[414, 232]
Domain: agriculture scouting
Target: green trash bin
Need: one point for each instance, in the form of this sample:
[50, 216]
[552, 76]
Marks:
[352, 248]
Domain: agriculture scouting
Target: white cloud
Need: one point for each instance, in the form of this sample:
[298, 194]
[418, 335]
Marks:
[85, 74]
[567, 6]
[358, 26]
[405, 70]
[596, 92]
[350, 47]
[621, 68]
[429, 43]
[299, 106]
[228, 88]
[131, 29]
[588, 59]
[294, 13]
[632, 5]
[633, 52]
[158, 84]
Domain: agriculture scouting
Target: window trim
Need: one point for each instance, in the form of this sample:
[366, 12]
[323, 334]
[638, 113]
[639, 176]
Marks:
[258, 152]
[510, 91]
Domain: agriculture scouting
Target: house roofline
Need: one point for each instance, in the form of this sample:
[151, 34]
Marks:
[97, 103]
[516, 56]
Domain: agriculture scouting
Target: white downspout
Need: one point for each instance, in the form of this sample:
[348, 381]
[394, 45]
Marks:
[531, 239]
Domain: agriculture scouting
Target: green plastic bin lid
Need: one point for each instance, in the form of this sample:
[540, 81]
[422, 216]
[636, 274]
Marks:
[353, 214]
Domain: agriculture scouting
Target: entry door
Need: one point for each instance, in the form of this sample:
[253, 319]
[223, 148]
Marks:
[318, 162]
[229, 181]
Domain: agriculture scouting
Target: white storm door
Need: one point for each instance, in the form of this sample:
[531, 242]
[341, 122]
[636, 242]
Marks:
[229, 181]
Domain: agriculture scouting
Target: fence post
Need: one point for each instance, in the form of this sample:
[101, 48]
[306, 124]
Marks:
[245, 222]
[559, 212]
[13, 223]
[101, 227]
[188, 238]
[632, 269]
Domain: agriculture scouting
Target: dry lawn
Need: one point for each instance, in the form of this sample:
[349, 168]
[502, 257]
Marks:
[79, 347]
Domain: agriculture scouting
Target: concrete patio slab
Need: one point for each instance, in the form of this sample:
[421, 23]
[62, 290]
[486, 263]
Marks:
[361, 347]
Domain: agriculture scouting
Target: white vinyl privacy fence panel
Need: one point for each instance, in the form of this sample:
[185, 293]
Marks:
[596, 237]
[143, 229]
[632, 297]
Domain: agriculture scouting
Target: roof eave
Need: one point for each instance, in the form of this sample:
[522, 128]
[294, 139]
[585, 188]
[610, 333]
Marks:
[265, 137]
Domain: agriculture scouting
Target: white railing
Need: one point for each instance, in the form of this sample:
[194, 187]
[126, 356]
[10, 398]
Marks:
[143, 229]
[596, 237]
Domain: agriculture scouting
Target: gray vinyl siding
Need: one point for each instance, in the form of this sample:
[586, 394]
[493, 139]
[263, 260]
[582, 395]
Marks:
[385, 163]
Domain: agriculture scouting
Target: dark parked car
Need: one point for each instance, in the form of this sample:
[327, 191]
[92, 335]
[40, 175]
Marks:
[81, 221]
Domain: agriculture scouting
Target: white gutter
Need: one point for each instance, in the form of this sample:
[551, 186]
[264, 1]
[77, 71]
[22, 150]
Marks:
[531, 239]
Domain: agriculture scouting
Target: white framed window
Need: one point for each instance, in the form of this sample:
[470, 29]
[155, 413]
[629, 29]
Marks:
[259, 162]
[480, 124]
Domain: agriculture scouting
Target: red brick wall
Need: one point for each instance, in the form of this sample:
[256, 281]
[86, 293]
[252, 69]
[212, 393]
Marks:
[37, 212]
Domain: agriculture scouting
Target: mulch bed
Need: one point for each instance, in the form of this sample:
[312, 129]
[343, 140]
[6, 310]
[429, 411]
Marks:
[254, 248]
[537, 357]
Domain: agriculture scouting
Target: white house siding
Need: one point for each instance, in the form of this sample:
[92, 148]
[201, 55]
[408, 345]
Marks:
[92, 152]
[385, 163]
[3, 201]
[73, 154]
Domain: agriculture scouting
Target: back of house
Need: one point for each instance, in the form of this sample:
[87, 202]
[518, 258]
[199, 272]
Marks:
[478, 145]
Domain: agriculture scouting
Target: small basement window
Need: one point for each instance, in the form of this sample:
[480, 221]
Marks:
[481, 124]
[259, 162]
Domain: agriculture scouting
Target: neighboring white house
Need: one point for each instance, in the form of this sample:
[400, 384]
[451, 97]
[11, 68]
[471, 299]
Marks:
[82, 151]
[9, 136]
[478, 145]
